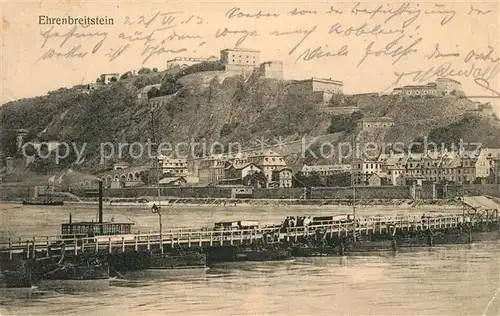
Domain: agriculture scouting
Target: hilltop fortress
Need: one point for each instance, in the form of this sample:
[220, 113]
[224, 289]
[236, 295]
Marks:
[247, 62]
[241, 61]
[441, 87]
[328, 92]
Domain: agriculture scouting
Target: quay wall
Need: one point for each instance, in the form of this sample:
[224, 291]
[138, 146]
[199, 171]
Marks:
[278, 193]
[386, 192]
[183, 192]
[454, 191]
[381, 192]
[16, 192]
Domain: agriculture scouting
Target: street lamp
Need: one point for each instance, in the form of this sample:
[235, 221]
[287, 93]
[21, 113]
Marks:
[157, 210]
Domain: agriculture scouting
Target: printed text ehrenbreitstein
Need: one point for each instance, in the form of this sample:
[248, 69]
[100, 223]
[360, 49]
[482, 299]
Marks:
[69, 20]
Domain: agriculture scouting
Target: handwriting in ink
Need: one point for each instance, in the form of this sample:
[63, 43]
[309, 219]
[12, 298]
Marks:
[319, 53]
[282, 33]
[481, 56]
[478, 11]
[180, 37]
[448, 14]
[237, 13]
[72, 53]
[307, 34]
[142, 20]
[362, 30]
[446, 70]
[393, 49]
[115, 53]
[486, 85]
[150, 51]
[437, 53]
[301, 12]
[332, 10]
[199, 19]
[72, 33]
[244, 34]
[138, 37]
[392, 13]
[167, 23]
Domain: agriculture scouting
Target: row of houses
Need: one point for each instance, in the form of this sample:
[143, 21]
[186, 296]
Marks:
[400, 168]
[388, 169]
[215, 169]
[234, 168]
[463, 166]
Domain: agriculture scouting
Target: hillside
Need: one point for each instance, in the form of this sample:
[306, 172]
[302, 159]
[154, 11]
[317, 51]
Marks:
[228, 111]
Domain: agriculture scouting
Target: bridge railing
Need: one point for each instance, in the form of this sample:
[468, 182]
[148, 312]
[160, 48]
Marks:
[190, 236]
[212, 236]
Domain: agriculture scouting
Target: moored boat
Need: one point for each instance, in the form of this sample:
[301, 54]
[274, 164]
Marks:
[315, 251]
[25, 273]
[146, 263]
[263, 255]
[140, 202]
[123, 262]
[48, 202]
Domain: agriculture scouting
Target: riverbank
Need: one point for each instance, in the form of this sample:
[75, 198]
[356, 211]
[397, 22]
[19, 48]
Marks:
[311, 202]
[398, 203]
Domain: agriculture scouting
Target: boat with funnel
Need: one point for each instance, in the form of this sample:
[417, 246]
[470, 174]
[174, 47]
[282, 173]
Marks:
[123, 262]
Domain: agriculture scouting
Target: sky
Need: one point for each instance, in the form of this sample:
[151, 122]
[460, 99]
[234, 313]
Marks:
[368, 46]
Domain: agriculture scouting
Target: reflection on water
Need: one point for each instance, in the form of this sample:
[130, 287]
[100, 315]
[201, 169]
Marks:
[452, 280]
[448, 280]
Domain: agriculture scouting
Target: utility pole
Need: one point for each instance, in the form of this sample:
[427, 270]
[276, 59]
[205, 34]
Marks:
[463, 204]
[157, 209]
[353, 187]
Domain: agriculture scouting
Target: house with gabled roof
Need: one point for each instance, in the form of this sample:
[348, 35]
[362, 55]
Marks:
[392, 166]
[282, 178]
[238, 171]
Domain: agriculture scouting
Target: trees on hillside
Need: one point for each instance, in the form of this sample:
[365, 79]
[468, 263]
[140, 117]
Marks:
[169, 85]
[144, 71]
[344, 123]
[126, 75]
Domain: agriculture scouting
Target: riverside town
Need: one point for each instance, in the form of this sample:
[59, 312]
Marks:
[172, 234]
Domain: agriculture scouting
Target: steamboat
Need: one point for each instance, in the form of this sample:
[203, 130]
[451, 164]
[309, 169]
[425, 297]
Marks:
[122, 263]
[60, 265]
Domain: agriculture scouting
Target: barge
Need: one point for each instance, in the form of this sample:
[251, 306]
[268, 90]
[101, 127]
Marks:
[47, 202]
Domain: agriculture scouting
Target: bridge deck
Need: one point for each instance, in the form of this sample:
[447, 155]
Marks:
[41, 246]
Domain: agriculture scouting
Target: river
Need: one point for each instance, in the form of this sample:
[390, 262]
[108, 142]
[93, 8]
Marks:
[449, 280]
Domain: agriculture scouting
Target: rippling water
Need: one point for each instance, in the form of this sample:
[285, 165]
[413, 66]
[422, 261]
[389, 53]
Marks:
[451, 280]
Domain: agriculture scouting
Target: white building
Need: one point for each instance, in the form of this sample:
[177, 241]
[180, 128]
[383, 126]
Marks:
[442, 87]
[173, 166]
[325, 170]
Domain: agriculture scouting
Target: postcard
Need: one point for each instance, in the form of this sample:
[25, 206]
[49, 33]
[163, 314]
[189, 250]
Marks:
[249, 158]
